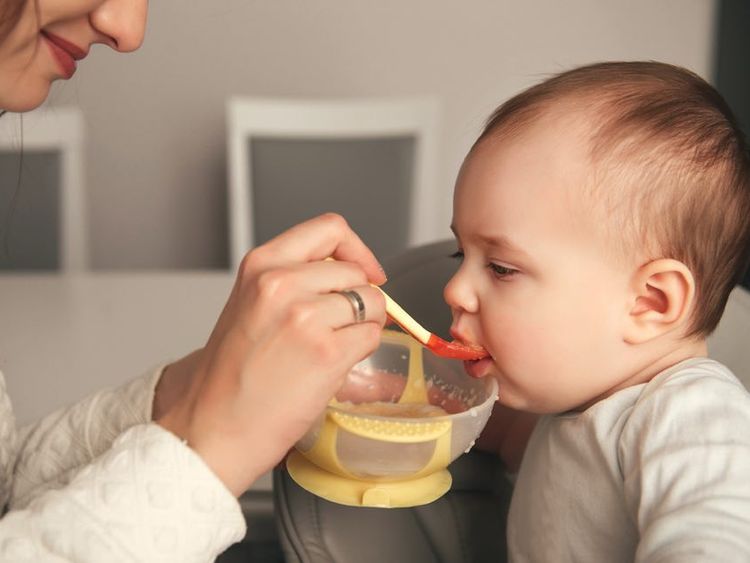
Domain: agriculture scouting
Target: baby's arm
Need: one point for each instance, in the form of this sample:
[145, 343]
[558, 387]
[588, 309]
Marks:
[506, 435]
[685, 459]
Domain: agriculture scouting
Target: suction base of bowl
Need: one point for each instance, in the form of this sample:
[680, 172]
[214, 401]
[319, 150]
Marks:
[355, 492]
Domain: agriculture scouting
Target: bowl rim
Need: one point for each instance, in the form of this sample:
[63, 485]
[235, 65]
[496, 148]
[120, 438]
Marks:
[492, 396]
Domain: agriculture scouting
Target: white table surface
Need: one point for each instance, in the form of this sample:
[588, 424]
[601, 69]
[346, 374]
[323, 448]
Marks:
[65, 336]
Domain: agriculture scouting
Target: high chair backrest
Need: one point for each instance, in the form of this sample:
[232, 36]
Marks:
[730, 342]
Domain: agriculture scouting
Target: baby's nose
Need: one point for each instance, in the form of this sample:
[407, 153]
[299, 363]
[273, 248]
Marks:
[459, 295]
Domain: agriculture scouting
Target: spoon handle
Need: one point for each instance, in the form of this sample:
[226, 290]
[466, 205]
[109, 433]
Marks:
[431, 341]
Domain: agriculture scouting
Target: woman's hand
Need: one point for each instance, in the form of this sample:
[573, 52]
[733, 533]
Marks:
[279, 351]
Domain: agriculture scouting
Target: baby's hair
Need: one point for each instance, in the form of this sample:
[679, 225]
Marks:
[670, 167]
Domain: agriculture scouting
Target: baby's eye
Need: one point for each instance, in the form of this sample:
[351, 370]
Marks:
[458, 255]
[501, 271]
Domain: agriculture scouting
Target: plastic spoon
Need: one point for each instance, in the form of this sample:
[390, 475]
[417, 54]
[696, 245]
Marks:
[432, 342]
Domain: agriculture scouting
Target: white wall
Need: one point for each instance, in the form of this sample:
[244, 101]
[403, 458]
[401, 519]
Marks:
[155, 119]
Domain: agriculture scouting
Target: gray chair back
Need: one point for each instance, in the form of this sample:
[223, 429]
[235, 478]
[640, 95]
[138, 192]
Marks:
[31, 206]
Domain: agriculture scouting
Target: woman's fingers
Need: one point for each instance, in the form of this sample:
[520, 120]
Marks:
[271, 291]
[324, 314]
[314, 240]
[342, 310]
[297, 280]
[356, 342]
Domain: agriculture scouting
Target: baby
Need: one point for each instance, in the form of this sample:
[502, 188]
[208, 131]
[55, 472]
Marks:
[602, 219]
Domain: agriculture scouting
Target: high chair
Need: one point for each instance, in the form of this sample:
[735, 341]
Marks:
[465, 525]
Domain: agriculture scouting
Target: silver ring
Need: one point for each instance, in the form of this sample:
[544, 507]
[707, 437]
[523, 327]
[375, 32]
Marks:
[358, 304]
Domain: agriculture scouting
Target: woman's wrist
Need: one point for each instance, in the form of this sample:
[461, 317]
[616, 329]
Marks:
[174, 381]
[174, 413]
[226, 455]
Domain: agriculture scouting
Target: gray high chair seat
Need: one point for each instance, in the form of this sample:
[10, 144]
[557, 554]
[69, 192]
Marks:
[466, 525]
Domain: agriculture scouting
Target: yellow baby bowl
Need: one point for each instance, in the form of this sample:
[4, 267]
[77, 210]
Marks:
[387, 438]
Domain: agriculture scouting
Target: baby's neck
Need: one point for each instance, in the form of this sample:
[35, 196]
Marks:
[684, 350]
[654, 361]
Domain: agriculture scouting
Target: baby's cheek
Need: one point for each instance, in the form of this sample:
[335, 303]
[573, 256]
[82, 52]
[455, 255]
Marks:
[528, 357]
[515, 340]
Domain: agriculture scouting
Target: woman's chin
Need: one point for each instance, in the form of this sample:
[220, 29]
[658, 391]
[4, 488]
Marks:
[25, 98]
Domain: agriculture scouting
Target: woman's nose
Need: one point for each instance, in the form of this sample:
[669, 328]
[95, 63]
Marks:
[459, 294]
[123, 22]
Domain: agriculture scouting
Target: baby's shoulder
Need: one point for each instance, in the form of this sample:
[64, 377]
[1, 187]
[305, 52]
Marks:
[702, 379]
[699, 396]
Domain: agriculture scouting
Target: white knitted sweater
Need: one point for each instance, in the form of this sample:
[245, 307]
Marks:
[98, 482]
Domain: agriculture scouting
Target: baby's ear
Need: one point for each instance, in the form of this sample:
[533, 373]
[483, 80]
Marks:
[662, 299]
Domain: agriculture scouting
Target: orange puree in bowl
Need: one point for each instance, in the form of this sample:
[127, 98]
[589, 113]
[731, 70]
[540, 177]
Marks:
[397, 410]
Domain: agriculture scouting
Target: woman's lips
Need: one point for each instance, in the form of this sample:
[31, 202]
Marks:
[65, 53]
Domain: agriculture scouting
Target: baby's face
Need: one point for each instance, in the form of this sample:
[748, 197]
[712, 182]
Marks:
[537, 287]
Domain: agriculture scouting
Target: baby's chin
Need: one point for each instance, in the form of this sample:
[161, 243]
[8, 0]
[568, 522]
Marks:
[534, 405]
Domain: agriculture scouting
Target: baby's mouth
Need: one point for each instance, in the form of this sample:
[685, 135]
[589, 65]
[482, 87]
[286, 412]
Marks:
[479, 367]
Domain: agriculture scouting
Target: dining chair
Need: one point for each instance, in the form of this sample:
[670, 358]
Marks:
[42, 198]
[371, 160]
